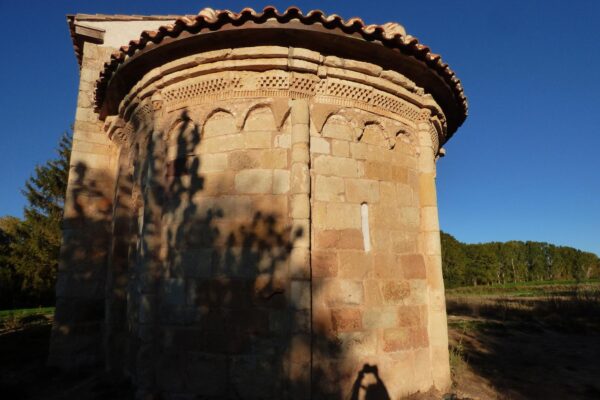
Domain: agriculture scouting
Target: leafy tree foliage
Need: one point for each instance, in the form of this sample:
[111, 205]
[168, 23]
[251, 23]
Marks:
[30, 247]
[512, 262]
[10, 282]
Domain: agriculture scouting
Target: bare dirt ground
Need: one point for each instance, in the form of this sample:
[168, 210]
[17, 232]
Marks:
[532, 348]
[508, 358]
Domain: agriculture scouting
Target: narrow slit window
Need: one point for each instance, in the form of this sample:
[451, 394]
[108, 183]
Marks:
[364, 216]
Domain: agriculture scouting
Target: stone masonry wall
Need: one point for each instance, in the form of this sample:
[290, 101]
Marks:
[77, 332]
[370, 297]
[274, 230]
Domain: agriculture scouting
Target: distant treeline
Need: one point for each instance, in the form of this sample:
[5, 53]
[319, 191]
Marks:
[512, 262]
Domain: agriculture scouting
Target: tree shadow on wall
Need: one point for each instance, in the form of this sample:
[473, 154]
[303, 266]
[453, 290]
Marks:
[79, 317]
[193, 287]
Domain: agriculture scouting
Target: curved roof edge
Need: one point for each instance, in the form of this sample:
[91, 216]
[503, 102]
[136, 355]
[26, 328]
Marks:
[390, 34]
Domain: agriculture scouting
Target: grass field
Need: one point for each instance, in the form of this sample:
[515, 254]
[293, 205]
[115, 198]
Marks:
[24, 317]
[537, 340]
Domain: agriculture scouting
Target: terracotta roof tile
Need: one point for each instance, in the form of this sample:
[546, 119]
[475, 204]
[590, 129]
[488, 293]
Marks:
[390, 34]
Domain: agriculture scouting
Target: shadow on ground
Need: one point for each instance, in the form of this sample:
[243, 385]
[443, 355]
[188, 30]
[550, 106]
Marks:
[542, 348]
[24, 374]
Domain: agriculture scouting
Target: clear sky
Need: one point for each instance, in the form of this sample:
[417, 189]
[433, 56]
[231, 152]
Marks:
[523, 166]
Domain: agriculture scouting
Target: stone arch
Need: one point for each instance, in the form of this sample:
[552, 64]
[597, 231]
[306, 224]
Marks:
[259, 117]
[339, 125]
[182, 136]
[374, 133]
[403, 137]
[219, 121]
[320, 113]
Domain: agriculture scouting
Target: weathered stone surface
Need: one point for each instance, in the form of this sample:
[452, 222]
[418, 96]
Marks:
[254, 181]
[346, 319]
[245, 215]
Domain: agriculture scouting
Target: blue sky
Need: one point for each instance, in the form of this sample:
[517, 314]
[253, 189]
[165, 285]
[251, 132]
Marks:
[524, 165]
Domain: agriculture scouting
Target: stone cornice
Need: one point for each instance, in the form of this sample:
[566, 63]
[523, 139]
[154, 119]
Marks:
[386, 45]
[281, 72]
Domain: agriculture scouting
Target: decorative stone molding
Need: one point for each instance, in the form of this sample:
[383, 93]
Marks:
[302, 73]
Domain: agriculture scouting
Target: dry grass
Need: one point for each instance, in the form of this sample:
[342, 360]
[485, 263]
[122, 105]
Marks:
[573, 308]
[525, 342]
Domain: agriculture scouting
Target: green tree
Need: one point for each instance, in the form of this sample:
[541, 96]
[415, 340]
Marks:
[453, 260]
[37, 241]
[10, 282]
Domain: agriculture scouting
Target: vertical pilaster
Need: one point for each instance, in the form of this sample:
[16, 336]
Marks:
[150, 273]
[300, 286]
[429, 243]
[116, 334]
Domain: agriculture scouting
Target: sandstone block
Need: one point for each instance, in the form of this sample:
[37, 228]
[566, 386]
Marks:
[300, 178]
[329, 188]
[378, 171]
[346, 319]
[354, 264]
[340, 239]
[300, 233]
[281, 181]
[410, 217]
[319, 145]
[283, 141]
[386, 266]
[358, 150]
[440, 367]
[362, 191]
[429, 219]
[394, 292]
[373, 296]
[254, 181]
[257, 140]
[413, 266]
[434, 273]
[299, 112]
[340, 148]
[380, 318]
[90, 160]
[418, 292]
[300, 134]
[220, 144]
[337, 215]
[396, 339]
[338, 166]
[412, 316]
[342, 292]
[405, 195]
[403, 241]
[300, 206]
[219, 124]
[213, 162]
[300, 153]
[399, 174]
[213, 183]
[431, 241]
[427, 195]
[358, 344]
[324, 264]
